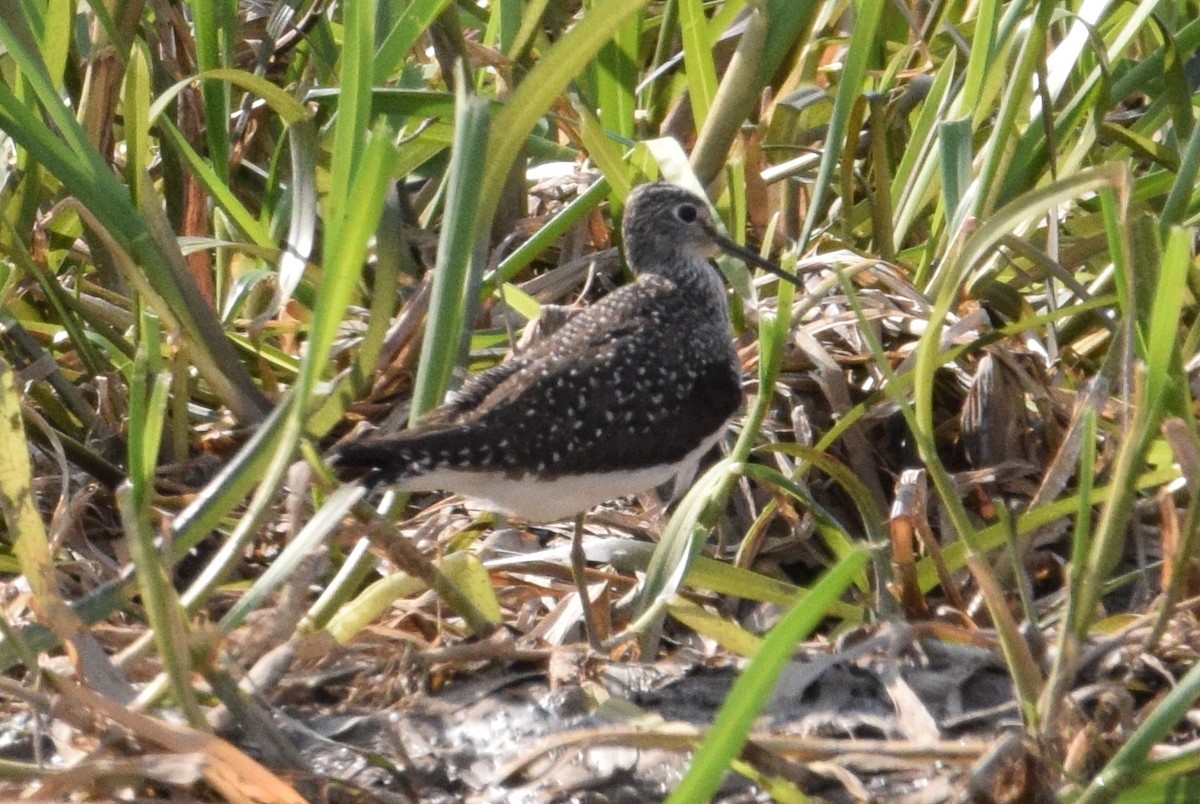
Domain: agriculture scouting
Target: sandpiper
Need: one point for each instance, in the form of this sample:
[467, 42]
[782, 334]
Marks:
[630, 393]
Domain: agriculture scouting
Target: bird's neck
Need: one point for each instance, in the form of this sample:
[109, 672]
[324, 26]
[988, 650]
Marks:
[695, 278]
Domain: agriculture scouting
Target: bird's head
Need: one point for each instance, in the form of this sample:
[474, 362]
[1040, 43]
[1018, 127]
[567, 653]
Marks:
[665, 224]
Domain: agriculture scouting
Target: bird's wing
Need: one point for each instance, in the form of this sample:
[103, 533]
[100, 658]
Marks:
[612, 318]
[583, 325]
[474, 391]
[616, 390]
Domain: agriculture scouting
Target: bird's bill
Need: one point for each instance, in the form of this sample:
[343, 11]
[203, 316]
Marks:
[752, 258]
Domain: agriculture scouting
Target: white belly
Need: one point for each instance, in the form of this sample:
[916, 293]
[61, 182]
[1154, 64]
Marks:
[551, 499]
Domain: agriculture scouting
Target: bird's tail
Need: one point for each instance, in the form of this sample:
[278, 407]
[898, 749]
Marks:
[375, 459]
[395, 457]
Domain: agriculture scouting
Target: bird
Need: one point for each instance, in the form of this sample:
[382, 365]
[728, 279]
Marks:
[630, 393]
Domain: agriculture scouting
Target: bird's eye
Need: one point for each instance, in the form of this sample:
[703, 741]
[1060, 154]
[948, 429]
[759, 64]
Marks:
[686, 213]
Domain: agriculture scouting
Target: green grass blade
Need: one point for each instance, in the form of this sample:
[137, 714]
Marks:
[1163, 365]
[354, 109]
[460, 258]
[850, 87]
[752, 691]
[954, 137]
[135, 500]
[734, 101]
[1184, 187]
[616, 77]
[697, 59]
[215, 28]
[541, 86]
[414, 20]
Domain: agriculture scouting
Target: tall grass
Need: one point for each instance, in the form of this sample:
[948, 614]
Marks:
[199, 257]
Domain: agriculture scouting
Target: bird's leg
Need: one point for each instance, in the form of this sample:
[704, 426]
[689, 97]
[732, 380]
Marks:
[578, 569]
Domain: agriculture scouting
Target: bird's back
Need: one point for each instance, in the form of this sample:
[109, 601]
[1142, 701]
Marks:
[636, 380]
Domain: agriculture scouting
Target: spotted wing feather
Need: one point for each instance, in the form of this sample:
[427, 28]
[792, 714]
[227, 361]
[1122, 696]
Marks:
[615, 389]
